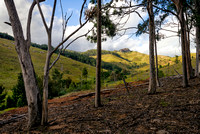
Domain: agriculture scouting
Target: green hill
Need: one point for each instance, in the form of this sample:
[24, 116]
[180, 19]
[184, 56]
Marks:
[9, 67]
[136, 63]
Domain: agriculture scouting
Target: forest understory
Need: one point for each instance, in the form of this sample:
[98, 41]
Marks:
[173, 109]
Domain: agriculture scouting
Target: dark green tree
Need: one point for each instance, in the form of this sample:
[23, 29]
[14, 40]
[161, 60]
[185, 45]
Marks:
[85, 73]
[56, 84]
[19, 94]
[176, 59]
[2, 97]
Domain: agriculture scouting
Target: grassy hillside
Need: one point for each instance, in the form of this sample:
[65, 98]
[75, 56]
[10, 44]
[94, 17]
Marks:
[135, 62]
[9, 67]
[129, 60]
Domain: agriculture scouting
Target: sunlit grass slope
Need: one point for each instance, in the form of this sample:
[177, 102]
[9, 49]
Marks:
[10, 67]
[126, 59]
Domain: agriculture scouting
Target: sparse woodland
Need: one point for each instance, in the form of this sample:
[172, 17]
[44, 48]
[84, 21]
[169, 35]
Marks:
[154, 104]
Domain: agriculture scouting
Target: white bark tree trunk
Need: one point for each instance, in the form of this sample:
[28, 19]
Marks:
[180, 15]
[22, 47]
[179, 7]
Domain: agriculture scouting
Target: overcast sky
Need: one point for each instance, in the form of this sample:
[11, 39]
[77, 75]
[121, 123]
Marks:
[167, 46]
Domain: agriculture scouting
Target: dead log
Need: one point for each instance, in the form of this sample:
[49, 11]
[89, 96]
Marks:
[12, 119]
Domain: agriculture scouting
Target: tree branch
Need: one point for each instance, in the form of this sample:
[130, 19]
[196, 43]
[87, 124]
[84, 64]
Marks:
[42, 15]
[53, 14]
[58, 57]
[81, 12]
[78, 38]
[28, 30]
[69, 36]
[165, 10]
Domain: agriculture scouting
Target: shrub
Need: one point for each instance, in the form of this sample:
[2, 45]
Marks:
[19, 94]
[2, 95]
[10, 102]
[160, 73]
[58, 85]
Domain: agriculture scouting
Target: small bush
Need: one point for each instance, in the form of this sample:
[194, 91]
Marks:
[160, 73]
[10, 102]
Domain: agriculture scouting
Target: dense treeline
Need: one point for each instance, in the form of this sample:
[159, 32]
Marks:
[6, 36]
[85, 57]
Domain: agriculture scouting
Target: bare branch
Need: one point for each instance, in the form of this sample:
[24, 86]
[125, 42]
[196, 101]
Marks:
[42, 15]
[70, 36]
[58, 57]
[165, 10]
[28, 30]
[8, 23]
[139, 15]
[124, 7]
[81, 12]
[65, 22]
[78, 38]
[53, 14]
[168, 30]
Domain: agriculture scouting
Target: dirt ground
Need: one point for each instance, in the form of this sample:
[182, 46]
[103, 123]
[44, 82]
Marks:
[172, 109]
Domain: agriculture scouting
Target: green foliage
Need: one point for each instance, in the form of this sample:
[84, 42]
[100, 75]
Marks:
[19, 94]
[6, 36]
[160, 73]
[108, 27]
[43, 46]
[176, 59]
[10, 102]
[85, 72]
[163, 103]
[57, 85]
[2, 97]
[142, 27]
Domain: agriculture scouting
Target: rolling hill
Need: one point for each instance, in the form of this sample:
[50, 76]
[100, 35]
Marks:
[9, 67]
[136, 63]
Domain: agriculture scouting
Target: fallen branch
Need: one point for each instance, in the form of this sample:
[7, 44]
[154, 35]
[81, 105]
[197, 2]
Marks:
[11, 119]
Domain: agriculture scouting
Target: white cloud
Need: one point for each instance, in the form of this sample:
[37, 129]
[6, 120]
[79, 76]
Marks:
[169, 46]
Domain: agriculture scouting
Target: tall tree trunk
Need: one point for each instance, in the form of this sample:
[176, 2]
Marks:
[197, 50]
[156, 55]
[45, 83]
[190, 73]
[179, 7]
[197, 7]
[22, 48]
[152, 80]
[183, 42]
[98, 64]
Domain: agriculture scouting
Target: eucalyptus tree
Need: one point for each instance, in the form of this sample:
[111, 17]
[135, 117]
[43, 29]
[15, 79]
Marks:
[22, 46]
[152, 79]
[197, 16]
[38, 113]
[59, 47]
